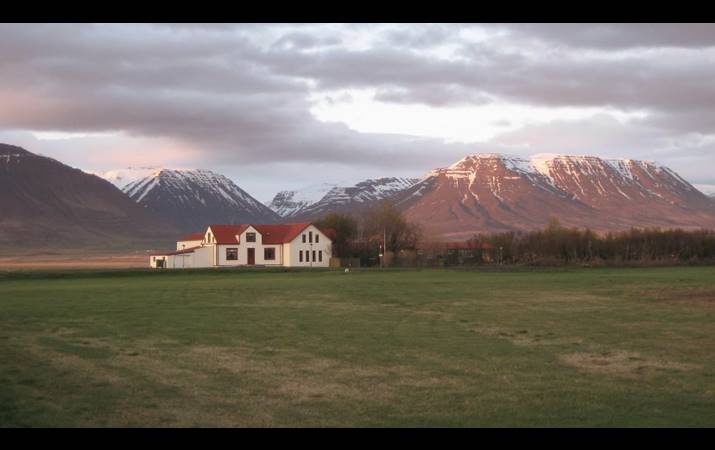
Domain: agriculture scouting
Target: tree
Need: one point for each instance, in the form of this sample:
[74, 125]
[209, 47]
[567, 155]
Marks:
[385, 219]
[345, 227]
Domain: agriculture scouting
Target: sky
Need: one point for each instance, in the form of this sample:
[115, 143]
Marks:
[282, 106]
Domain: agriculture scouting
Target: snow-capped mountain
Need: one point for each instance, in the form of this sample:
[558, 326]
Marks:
[288, 203]
[349, 199]
[492, 192]
[123, 177]
[193, 199]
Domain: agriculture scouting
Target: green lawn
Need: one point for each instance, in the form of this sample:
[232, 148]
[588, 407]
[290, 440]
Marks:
[577, 347]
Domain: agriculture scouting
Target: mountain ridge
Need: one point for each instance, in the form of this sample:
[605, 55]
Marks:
[194, 198]
[495, 192]
[353, 198]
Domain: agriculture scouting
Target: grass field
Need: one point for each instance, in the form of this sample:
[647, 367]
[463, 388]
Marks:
[558, 347]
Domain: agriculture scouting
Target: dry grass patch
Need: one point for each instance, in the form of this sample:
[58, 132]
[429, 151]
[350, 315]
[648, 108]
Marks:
[524, 338]
[701, 296]
[622, 363]
[294, 375]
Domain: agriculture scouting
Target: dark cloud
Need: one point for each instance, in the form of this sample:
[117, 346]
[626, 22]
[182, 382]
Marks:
[641, 81]
[209, 90]
[240, 93]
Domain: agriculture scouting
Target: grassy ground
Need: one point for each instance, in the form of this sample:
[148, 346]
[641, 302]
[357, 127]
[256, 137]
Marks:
[568, 347]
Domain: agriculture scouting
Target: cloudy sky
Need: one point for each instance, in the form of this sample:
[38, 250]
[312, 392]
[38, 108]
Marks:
[279, 106]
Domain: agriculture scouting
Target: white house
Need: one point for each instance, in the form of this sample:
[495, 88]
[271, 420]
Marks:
[287, 245]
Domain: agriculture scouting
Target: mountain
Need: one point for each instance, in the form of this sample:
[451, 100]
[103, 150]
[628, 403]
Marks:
[347, 199]
[47, 204]
[492, 192]
[193, 199]
[123, 177]
[707, 189]
[289, 203]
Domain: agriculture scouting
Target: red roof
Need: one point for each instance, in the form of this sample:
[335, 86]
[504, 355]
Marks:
[193, 237]
[280, 233]
[226, 234]
[271, 233]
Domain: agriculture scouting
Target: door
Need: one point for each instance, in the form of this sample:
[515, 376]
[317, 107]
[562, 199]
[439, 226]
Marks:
[251, 256]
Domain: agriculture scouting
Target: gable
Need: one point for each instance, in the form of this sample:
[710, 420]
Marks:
[325, 233]
[226, 234]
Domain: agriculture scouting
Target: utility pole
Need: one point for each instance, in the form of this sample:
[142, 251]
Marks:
[384, 244]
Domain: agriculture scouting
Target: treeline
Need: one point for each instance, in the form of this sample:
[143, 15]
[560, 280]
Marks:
[571, 245]
[360, 241]
[381, 230]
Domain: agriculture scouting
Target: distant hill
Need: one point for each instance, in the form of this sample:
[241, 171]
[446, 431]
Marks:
[47, 204]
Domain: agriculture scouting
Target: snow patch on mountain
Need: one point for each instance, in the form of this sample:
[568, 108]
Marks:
[288, 203]
[122, 177]
[306, 201]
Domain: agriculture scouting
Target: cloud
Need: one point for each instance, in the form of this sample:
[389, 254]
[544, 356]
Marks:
[239, 95]
[610, 36]
[603, 135]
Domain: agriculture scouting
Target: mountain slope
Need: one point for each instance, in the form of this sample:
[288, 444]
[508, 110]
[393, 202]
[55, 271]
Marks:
[123, 177]
[289, 203]
[491, 192]
[45, 203]
[352, 198]
[193, 199]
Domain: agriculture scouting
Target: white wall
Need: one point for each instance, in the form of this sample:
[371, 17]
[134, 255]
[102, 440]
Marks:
[181, 245]
[296, 245]
[202, 257]
[243, 247]
[153, 260]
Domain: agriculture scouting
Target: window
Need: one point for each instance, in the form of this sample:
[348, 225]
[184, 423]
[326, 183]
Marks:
[231, 254]
[316, 237]
[209, 238]
[320, 255]
[304, 238]
[250, 237]
[310, 236]
[269, 254]
[313, 255]
[300, 256]
[307, 256]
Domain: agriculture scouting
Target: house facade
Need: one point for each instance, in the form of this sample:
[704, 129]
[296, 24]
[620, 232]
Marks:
[285, 245]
